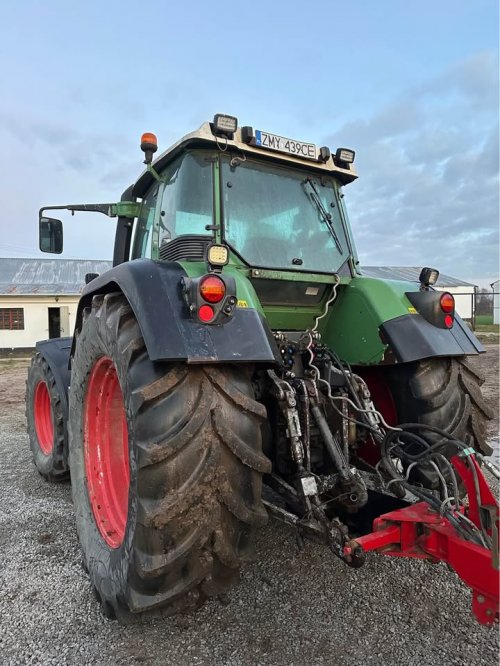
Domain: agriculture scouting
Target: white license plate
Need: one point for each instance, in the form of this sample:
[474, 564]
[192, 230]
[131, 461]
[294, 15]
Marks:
[284, 145]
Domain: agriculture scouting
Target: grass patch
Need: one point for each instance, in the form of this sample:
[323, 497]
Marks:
[6, 354]
[488, 328]
[484, 320]
[13, 364]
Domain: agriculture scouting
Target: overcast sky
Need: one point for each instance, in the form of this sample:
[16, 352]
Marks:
[412, 87]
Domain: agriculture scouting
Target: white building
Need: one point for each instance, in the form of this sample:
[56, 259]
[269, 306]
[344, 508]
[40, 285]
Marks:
[464, 292]
[39, 298]
[496, 302]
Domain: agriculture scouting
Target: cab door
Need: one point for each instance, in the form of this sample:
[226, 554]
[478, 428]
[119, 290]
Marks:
[145, 238]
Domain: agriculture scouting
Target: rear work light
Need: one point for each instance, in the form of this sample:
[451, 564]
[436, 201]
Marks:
[447, 303]
[212, 289]
[217, 255]
[225, 125]
[428, 276]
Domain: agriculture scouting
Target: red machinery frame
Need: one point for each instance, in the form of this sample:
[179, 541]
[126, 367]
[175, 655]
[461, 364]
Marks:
[418, 531]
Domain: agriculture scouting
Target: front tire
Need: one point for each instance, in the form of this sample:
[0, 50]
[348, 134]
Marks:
[176, 517]
[45, 421]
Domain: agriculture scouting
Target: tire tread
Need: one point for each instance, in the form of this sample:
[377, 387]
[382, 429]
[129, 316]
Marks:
[199, 464]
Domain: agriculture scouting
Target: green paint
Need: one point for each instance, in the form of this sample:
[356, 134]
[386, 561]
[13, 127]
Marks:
[155, 174]
[291, 276]
[352, 325]
[129, 209]
[217, 201]
[244, 289]
[291, 318]
[194, 268]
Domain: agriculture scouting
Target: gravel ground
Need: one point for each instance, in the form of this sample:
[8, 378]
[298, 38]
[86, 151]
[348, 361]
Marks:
[292, 607]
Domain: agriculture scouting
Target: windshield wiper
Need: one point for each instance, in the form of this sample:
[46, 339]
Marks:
[313, 195]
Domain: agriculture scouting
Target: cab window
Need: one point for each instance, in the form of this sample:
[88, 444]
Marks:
[278, 217]
[141, 245]
[187, 200]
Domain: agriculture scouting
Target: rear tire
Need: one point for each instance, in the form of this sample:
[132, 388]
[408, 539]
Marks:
[445, 393]
[45, 421]
[195, 471]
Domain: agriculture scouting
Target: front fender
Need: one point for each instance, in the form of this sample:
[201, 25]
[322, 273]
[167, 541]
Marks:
[152, 289]
[56, 353]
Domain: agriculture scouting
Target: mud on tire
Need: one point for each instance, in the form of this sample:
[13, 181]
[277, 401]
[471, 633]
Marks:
[196, 466]
[45, 421]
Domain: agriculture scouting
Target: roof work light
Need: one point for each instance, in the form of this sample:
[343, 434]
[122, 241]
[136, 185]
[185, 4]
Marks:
[344, 157]
[225, 125]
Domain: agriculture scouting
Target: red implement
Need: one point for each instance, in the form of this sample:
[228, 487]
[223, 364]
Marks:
[418, 531]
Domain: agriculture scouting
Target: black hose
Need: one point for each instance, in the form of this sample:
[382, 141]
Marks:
[428, 451]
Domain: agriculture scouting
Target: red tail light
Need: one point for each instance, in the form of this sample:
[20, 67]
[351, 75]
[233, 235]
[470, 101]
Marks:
[206, 313]
[447, 303]
[212, 289]
[448, 321]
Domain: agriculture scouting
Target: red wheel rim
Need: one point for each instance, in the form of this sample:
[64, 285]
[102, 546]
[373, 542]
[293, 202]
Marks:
[106, 452]
[380, 392]
[44, 427]
[384, 402]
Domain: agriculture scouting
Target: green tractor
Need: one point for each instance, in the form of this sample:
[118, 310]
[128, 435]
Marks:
[235, 364]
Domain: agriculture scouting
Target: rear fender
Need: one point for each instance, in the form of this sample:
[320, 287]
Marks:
[412, 337]
[373, 321]
[153, 290]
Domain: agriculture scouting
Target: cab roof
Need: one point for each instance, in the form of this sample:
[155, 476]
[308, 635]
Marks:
[205, 138]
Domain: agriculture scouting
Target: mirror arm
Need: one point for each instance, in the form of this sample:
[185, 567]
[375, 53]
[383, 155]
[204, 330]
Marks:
[128, 209]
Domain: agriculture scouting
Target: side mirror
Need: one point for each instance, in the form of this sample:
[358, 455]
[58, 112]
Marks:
[50, 234]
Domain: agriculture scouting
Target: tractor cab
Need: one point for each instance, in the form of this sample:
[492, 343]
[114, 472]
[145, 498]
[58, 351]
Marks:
[275, 203]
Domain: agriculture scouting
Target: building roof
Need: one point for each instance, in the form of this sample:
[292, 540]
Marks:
[410, 274]
[47, 276]
[67, 276]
